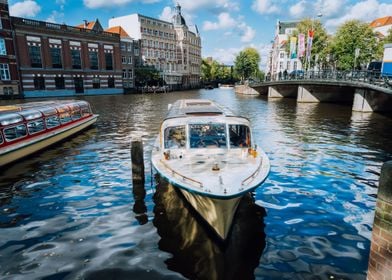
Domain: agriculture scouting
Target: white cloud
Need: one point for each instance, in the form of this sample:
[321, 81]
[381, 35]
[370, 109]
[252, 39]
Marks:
[56, 17]
[167, 14]
[27, 8]
[194, 5]
[367, 11]
[224, 21]
[265, 7]
[298, 10]
[225, 56]
[330, 7]
[247, 33]
[94, 4]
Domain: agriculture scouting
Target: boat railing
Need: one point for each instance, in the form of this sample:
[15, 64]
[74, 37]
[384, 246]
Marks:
[254, 174]
[182, 176]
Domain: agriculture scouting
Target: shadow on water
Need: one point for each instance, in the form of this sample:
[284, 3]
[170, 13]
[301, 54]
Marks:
[196, 251]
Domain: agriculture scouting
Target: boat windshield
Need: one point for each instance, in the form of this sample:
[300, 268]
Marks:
[212, 135]
[239, 136]
[175, 137]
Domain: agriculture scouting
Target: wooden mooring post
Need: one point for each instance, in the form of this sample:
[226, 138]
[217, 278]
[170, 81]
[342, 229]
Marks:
[380, 259]
[137, 159]
[138, 181]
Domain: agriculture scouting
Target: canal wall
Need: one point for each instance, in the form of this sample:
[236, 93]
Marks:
[380, 259]
[245, 89]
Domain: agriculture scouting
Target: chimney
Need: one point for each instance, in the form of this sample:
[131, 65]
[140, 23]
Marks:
[85, 23]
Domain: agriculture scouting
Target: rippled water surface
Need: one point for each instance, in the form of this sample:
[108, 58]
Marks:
[71, 212]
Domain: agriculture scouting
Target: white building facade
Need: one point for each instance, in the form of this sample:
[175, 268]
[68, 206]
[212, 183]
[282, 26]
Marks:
[171, 48]
[279, 59]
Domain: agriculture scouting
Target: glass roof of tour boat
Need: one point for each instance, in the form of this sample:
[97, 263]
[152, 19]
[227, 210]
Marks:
[197, 107]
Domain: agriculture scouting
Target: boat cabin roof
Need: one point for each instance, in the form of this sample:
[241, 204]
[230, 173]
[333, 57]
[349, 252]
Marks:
[11, 114]
[197, 107]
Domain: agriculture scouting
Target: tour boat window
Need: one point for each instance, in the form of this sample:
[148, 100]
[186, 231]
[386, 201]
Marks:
[35, 126]
[15, 132]
[76, 113]
[85, 111]
[1, 139]
[52, 121]
[175, 137]
[210, 135]
[239, 136]
[65, 117]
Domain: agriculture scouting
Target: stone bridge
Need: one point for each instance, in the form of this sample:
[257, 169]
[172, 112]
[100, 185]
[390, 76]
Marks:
[362, 94]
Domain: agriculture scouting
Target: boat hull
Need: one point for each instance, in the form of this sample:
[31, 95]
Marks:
[218, 213]
[39, 143]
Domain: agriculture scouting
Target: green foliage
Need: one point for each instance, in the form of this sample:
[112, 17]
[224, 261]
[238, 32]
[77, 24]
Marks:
[388, 38]
[246, 64]
[147, 75]
[320, 43]
[351, 35]
[212, 70]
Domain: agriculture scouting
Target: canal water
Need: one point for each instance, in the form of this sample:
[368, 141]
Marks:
[71, 212]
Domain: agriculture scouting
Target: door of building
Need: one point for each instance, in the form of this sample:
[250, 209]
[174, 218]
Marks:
[79, 88]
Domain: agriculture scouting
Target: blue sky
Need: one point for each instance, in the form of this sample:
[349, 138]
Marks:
[226, 26]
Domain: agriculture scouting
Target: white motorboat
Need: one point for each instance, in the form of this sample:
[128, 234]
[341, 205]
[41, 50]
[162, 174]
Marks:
[208, 153]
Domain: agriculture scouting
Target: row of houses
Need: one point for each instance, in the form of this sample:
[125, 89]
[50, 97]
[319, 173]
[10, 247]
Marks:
[279, 59]
[44, 59]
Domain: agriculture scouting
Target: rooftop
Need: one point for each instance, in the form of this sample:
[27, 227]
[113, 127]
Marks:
[381, 22]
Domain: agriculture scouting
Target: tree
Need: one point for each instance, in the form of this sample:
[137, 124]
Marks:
[350, 36]
[212, 70]
[147, 75]
[246, 63]
[388, 38]
[320, 40]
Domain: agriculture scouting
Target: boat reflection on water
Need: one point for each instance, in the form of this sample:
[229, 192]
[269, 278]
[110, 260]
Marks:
[197, 251]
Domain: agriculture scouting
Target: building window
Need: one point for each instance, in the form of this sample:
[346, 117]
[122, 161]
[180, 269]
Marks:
[35, 56]
[55, 53]
[295, 65]
[8, 91]
[5, 72]
[281, 55]
[111, 82]
[124, 74]
[93, 57]
[129, 59]
[59, 82]
[1, 23]
[96, 82]
[39, 83]
[76, 60]
[124, 59]
[109, 61]
[3, 50]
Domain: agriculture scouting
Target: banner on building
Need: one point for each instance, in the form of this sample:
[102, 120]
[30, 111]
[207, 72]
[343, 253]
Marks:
[301, 45]
[309, 44]
[293, 47]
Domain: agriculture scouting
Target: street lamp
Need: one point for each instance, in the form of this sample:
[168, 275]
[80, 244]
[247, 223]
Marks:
[319, 15]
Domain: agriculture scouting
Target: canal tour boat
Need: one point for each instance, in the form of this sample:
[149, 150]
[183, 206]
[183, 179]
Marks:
[29, 127]
[207, 152]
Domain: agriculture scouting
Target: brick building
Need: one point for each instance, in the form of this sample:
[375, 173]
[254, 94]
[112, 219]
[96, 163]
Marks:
[9, 83]
[62, 60]
[130, 57]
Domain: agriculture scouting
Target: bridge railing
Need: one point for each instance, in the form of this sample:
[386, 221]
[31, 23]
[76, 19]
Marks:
[369, 77]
